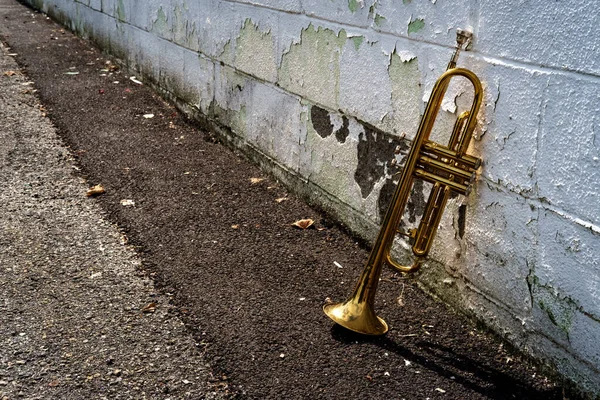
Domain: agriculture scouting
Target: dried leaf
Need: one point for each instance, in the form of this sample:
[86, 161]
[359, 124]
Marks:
[236, 226]
[127, 203]
[279, 200]
[95, 191]
[10, 73]
[150, 308]
[256, 180]
[304, 223]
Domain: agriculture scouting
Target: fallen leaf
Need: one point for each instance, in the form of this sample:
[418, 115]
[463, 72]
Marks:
[54, 383]
[304, 223]
[10, 73]
[279, 200]
[256, 180]
[235, 226]
[148, 116]
[95, 191]
[135, 80]
[150, 308]
[127, 203]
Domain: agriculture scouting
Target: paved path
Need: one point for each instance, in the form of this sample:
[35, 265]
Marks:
[78, 318]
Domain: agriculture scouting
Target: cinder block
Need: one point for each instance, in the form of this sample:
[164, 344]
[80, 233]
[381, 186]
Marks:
[568, 261]
[255, 47]
[232, 96]
[584, 337]
[96, 4]
[569, 149]
[365, 87]
[274, 124]
[510, 125]
[495, 235]
[293, 6]
[144, 52]
[310, 67]
[556, 34]
[198, 81]
[431, 21]
[349, 12]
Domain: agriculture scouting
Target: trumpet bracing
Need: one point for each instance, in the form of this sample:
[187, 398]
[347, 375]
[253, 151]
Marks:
[448, 168]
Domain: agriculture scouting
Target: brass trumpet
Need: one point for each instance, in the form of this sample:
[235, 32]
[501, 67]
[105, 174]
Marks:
[448, 168]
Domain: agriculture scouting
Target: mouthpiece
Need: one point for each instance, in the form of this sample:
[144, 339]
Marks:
[463, 38]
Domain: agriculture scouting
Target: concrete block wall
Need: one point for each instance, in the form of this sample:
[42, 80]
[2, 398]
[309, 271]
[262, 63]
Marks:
[319, 92]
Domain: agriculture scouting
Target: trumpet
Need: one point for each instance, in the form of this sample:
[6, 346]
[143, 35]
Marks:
[448, 168]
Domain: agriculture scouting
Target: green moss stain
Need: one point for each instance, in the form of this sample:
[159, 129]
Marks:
[560, 310]
[416, 25]
[357, 41]
[311, 67]
[160, 25]
[353, 5]
[120, 11]
[405, 96]
[39, 4]
[255, 52]
[379, 19]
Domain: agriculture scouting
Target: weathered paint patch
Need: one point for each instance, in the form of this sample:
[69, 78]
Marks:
[375, 149]
[379, 20]
[320, 121]
[405, 81]
[357, 41]
[416, 201]
[416, 25]
[120, 11]
[255, 52]
[353, 5]
[560, 311]
[342, 133]
[160, 25]
[324, 127]
[311, 67]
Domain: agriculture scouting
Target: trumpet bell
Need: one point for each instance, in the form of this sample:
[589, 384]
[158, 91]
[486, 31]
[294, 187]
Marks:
[356, 316]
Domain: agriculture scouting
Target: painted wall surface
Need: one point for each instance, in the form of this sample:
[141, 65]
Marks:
[320, 91]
